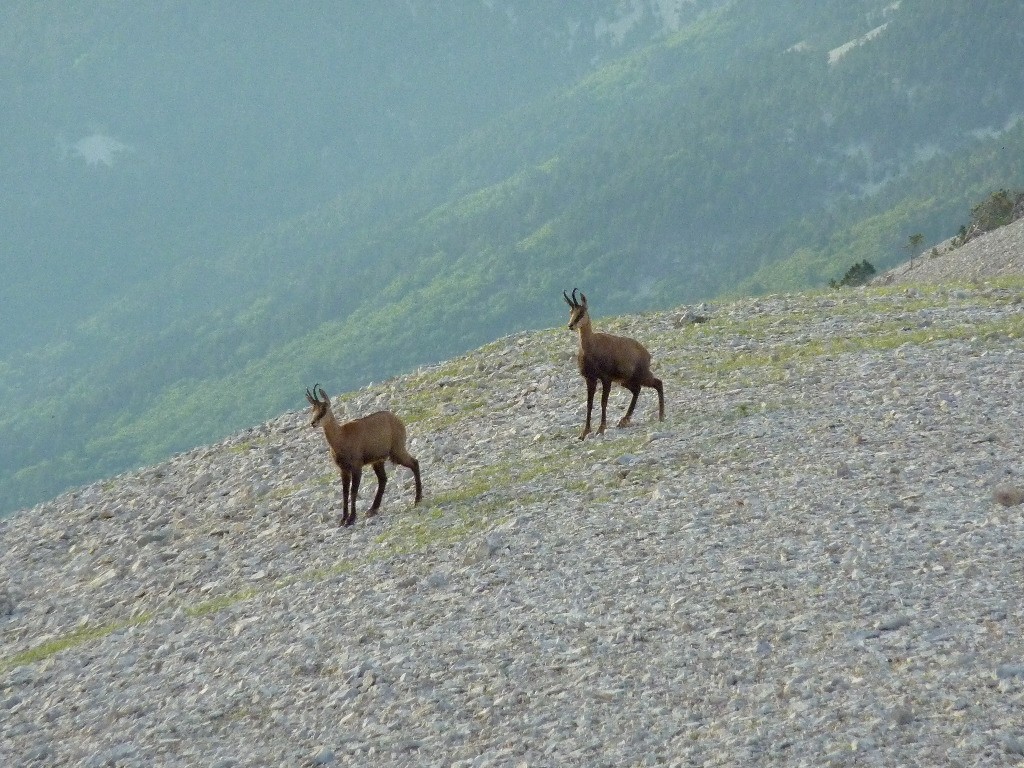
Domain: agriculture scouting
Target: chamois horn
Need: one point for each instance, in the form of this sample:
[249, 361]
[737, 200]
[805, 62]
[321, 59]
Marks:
[314, 396]
[574, 302]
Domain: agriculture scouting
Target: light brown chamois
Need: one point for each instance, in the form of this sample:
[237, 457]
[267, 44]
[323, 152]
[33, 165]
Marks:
[372, 440]
[607, 358]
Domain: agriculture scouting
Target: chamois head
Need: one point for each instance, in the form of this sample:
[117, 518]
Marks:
[577, 308]
[321, 404]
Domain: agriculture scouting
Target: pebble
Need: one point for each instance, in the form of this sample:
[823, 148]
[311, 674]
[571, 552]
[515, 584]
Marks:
[1009, 495]
[809, 562]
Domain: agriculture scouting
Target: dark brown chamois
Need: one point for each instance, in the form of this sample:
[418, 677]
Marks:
[372, 440]
[607, 358]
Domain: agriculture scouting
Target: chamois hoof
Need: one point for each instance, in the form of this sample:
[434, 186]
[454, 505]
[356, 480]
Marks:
[624, 422]
[371, 512]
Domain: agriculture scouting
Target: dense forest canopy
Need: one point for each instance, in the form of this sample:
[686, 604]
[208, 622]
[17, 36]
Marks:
[208, 208]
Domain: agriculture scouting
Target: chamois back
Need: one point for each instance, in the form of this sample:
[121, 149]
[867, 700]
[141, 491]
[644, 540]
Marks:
[375, 436]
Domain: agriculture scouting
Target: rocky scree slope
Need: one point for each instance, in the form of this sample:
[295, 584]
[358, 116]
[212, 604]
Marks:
[815, 560]
[995, 254]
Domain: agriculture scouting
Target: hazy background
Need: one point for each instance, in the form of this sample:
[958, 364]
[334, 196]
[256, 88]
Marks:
[208, 207]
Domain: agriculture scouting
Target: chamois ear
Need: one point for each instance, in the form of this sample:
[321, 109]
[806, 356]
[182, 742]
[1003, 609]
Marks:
[583, 299]
[323, 396]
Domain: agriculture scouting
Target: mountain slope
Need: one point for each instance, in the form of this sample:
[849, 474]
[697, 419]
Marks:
[811, 531]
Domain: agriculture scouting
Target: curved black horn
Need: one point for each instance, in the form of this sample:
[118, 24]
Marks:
[574, 299]
[567, 299]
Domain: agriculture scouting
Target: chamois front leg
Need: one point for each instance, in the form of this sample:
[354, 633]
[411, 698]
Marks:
[606, 386]
[591, 388]
[357, 475]
[382, 480]
[346, 484]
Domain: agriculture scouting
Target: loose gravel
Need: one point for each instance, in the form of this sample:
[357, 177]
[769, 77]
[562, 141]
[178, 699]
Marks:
[815, 560]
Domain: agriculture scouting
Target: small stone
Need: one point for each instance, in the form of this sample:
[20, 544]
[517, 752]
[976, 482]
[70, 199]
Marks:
[902, 715]
[865, 634]
[150, 538]
[200, 483]
[324, 756]
[1008, 495]
[890, 623]
[437, 579]
[1013, 744]
[1004, 671]
[477, 553]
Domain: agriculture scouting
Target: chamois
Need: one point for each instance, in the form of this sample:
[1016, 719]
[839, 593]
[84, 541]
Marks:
[607, 358]
[370, 440]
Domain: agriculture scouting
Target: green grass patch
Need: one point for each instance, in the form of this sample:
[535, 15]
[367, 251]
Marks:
[69, 640]
[874, 337]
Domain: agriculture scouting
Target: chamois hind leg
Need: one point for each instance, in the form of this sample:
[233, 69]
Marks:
[382, 480]
[606, 386]
[591, 388]
[406, 459]
[635, 389]
[656, 385]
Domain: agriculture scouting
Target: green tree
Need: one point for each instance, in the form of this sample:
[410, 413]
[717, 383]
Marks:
[858, 274]
[913, 244]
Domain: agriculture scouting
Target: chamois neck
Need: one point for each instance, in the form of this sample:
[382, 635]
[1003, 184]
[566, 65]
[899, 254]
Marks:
[585, 330]
[330, 425]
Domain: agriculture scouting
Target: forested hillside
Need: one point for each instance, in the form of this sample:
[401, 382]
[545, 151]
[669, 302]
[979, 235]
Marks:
[451, 190]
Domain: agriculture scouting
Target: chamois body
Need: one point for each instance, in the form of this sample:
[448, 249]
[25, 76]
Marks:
[607, 358]
[370, 440]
